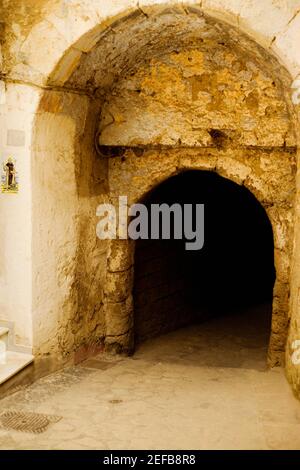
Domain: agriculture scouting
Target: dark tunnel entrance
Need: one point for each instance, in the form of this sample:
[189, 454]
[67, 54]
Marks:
[232, 273]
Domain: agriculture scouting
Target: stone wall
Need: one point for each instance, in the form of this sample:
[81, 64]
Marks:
[137, 175]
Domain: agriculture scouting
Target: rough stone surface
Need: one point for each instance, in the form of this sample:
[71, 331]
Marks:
[209, 96]
[137, 175]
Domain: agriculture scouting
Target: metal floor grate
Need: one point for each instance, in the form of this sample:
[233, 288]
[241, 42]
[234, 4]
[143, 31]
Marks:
[26, 421]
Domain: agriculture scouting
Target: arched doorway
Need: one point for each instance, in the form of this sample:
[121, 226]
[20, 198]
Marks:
[188, 92]
[233, 274]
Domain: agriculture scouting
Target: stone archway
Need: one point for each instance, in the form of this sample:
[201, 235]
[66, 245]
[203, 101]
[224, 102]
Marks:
[212, 99]
[120, 261]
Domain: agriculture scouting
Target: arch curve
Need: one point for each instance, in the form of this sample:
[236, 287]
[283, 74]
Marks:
[70, 30]
[159, 168]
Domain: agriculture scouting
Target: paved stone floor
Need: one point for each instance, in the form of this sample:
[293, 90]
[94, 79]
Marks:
[202, 387]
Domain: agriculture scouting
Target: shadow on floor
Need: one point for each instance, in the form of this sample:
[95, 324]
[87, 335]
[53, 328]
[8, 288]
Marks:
[238, 340]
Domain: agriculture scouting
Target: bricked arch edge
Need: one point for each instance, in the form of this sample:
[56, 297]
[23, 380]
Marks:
[119, 308]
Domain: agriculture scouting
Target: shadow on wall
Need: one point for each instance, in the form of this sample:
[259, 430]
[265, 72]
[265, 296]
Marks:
[231, 273]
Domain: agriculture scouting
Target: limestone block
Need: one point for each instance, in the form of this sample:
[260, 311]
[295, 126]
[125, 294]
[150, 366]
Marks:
[115, 7]
[205, 162]
[232, 169]
[119, 317]
[43, 58]
[227, 10]
[120, 255]
[267, 192]
[265, 19]
[118, 285]
[66, 67]
[74, 19]
[282, 220]
[144, 3]
[282, 261]
[287, 42]
[123, 344]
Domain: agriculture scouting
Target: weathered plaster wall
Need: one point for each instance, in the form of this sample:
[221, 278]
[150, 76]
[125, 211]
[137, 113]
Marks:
[69, 264]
